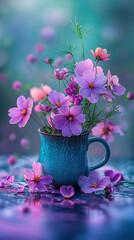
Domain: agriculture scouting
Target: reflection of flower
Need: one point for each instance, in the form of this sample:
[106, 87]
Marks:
[22, 113]
[105, 130]
[35, 180]
[100, 54]
[67, 191]
[93, 183]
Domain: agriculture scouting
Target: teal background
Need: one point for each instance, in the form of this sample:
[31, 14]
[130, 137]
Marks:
[111, 23]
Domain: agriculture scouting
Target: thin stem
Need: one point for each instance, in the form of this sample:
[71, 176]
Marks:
[37, 122]
[96, 66]
[58, 85]
[124, 182]
[92, 117]
[82, 50]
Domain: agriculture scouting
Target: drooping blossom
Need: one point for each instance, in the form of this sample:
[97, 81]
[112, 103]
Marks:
[83, 66]
[22, 113]
[39, 107]
[7, 181]
[100, 54]
[47, 108]
[58, 99]
[11, 160]
[20, 189]
[60, 74]
[130, 95]
[68, 57]
[39, 47]
[71, 89]
[114, 176]
[93, 183]
[49, 60]
[24, 142]
[17, 85]
[70, 120]
[67, 191]
[48, 33]
[77, 99]
[115, 86]
[106, 130]
[35, 180]
[31, 58]
[39, 93]
[92, 85]
[50, 119]
[12, 137]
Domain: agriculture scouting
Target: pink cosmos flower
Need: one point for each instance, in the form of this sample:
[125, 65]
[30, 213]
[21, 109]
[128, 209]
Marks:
[35, 180]
[39, 47]
[106, 129]
[70, 120]
[22, 113]
[67, 191]
[11, 160]
[100, 54]
[60, 74]
[17, 85]
[31, 58]
[115, 86]
[39, 93]
[39, 107]
[83, 66]
[58, 99]
[93, 183]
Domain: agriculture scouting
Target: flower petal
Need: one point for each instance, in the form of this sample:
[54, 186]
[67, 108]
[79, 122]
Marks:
[32, 185]
[66, 130]
[76, 127]
[83, 181]
[21, 102]
[60, 120]
[16, 119]
[94, 177]
[94, 97]
[41, 187]
[37, 169]
[104, 182]
[85, 92]
[28, 174]
[46, 179]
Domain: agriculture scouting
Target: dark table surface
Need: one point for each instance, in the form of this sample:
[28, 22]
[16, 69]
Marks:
[51, 217]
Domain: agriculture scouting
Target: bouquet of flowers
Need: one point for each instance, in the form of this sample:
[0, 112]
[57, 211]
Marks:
[79, 102]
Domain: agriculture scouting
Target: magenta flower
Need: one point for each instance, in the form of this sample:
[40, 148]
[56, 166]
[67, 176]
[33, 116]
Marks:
[39, 107]
[71, 89]
[12, 137]
[31, 58]
[115, 86]
[17, 85]
[58, 99]
[92, 85]
[60, 75]
[47, 108]
[114, 176]
[22, 113]
[100, 54]
[70, 120]
[39, 47]
[11, 160]
[67, 191]
[77, 99]
[35, 180]
[93, 183]
[105, 130]
[130, 95]
[109, 189]
[83, 66]
[7, 181]
[48, 61]
[24, 142]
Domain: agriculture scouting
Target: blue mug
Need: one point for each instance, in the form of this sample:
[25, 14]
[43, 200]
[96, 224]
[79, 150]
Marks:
[66, 158]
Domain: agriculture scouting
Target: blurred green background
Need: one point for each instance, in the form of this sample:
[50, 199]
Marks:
[21, 22]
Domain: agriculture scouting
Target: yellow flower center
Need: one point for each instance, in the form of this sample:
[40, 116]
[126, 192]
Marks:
[70, 118]
[105, 130]
[94, 185]
[24, 112]
[66, 196]
[58, 104]
[36, 179]
[91, 85]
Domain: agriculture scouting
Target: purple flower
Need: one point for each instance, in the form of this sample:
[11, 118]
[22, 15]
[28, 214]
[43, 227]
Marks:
[130, 95]
[24, 142]
[17, 85]
[70, 120]
[108, 96]
[60, 75]
[93, 183]
[31, 58]
[58, 99]
[105, 130]
[115, 86]
[67, 191]
[35, 180]
[83, 66]
[92, 85]
[47, 108]
[22, 113]
[77, 99]
[71, 89]
[11, 160]
[7, 181]
[114, 176]
[39, 47]
[12, 137]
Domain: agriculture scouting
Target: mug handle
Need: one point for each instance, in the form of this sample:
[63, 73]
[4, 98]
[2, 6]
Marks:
[101, 140]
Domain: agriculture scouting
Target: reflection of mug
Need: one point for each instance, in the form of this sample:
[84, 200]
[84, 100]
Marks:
[66, 158]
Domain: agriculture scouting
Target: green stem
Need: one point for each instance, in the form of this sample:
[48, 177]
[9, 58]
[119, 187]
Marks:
[92, 117]
[58, 85]
[96, 66]
[123, 182]
[37, 123]
[82, 50]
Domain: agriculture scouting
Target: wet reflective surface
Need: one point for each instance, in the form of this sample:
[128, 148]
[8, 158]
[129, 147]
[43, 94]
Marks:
[51, 217]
